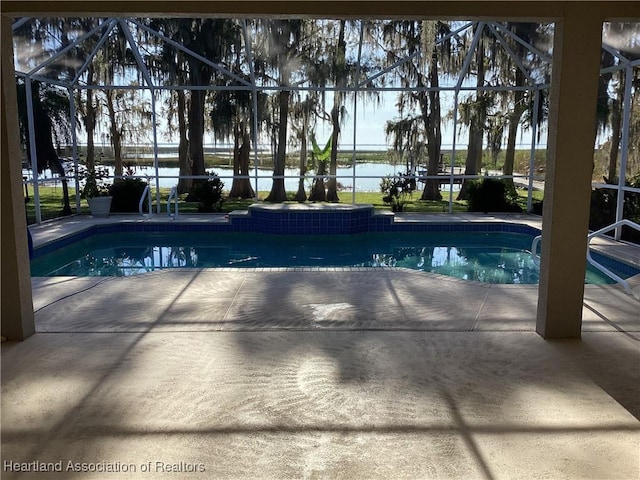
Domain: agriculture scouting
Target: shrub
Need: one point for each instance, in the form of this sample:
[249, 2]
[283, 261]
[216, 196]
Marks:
[397, 189]
[491, 195]
[126, 195]
[604, 205]
[536, 207]
[93, 182]
[208, 194]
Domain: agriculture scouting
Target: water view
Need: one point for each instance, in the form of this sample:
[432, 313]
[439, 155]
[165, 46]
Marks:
[369, 175]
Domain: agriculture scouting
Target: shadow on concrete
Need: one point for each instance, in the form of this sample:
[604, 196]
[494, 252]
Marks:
[361, 379]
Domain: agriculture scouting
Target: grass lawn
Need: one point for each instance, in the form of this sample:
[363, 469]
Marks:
[51, 202]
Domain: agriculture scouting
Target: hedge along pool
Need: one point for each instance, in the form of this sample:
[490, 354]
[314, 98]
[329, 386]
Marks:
[273, 236]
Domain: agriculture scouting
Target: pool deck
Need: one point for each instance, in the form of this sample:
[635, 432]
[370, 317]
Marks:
[320, 373]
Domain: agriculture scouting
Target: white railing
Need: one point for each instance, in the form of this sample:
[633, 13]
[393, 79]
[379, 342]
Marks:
[534, 251]
[598, 233]
[602, 268]
[173, 195]
[145, 193]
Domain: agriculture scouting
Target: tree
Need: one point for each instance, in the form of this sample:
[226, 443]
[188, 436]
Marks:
[129, 119]
[214, 39]
[406, 136]
[50, 107]
[520, 100]
[51, 110]
[435, 47]
[88, 110]
[170, 66]
[232, 117]
[474, 114]
[502, 62]
[281, 49]
[303, 120]
[495, 134]
[319, 159]
[612, 86]
[339, 72]
[184, 161]
[307, 108]
[433, 32]
[340, 69]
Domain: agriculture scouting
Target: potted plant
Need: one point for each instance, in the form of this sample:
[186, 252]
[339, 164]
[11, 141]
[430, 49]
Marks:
[96, 191]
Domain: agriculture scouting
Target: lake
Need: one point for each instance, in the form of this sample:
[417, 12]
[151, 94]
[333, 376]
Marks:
[369, 175]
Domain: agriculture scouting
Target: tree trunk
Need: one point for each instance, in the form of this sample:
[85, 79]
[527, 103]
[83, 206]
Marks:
[56, 166]
[237, 134]
[616, 120]
[474, 152]
[241, 187]
[199, 74]
[245, 163]
[434, 135]
[318, 193]
[301, 195]
[510, 153]
[196, 132]
[184, 162]
[616, 124]
[116, 141]
[116, 137]
[476, 128]
[338, 97]
[278, 192]
[332, 183]
[519, 108]
[45, 151]
[90, 121]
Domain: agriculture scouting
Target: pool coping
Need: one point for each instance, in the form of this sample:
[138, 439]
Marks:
[53, 230]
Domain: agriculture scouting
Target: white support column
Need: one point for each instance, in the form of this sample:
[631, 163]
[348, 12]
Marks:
[572, 131]
[16, 299]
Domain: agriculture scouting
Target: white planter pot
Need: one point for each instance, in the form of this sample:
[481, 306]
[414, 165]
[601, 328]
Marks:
[100, 206]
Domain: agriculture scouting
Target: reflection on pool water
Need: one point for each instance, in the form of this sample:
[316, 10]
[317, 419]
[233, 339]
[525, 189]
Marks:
[484, 257]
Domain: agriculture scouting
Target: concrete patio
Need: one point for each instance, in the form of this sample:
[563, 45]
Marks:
[326, 373]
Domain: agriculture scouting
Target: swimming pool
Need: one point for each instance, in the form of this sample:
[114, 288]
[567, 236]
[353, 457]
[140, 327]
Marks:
[492, 257]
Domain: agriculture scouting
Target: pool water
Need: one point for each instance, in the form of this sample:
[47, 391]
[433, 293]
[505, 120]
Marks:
[484, 257]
